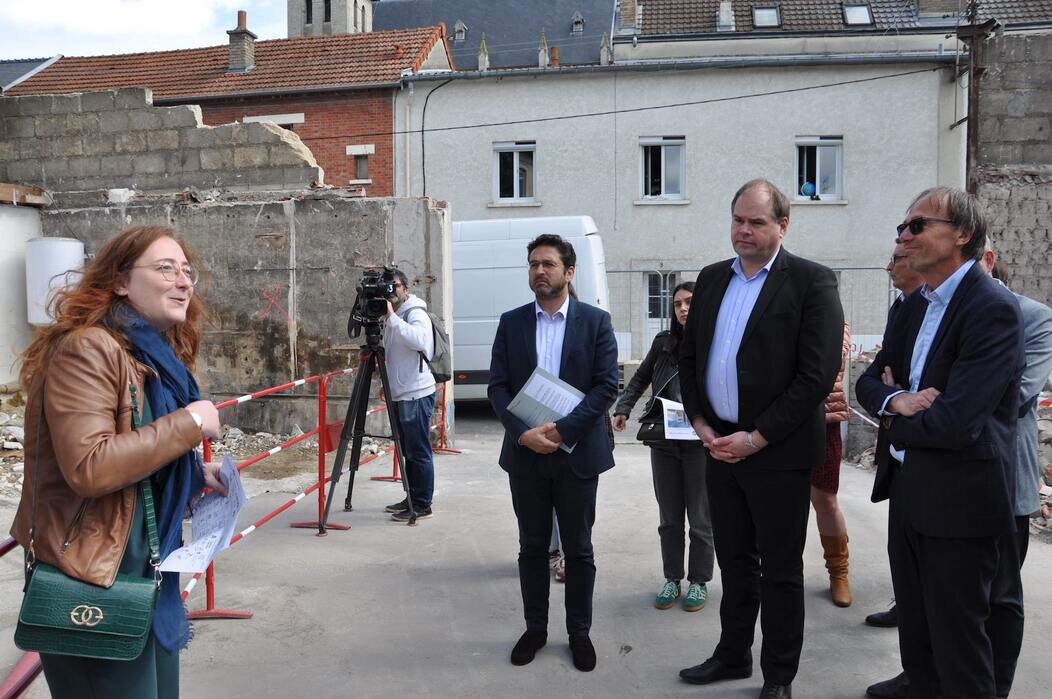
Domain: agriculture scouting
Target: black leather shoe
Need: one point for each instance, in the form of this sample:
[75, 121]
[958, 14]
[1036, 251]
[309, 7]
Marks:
[583, 653]
[713, 670]
[884, 620]
[527, 647]
[896, 688]
[776, 691]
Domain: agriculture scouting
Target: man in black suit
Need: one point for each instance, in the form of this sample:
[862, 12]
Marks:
[945, 387]
[575, 342]
[761, 351]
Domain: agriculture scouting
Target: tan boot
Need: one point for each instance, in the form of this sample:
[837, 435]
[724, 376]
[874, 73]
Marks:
[835, 548]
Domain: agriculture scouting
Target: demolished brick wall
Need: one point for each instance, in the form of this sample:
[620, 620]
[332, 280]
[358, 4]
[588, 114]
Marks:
[281, 258]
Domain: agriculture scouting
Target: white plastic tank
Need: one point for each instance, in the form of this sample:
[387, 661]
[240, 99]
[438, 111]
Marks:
[51, 264]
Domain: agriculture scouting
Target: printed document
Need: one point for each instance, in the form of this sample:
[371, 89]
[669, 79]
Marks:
[677, 426]
[212, 524]
[545, 398]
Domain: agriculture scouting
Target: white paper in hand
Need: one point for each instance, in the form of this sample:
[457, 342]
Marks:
[212, 524]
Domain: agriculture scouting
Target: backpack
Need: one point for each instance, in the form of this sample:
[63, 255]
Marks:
[441, 365]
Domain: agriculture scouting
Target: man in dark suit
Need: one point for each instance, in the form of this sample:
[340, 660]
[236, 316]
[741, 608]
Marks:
[945, 386]
[761, 351]
[575, 342]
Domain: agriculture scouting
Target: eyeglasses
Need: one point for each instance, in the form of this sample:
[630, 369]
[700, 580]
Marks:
[917, 225]
[170, 271]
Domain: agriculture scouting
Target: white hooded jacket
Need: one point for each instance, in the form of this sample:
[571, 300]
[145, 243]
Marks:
[407, 333]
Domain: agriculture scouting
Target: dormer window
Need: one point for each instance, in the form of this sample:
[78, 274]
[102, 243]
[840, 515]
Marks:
[460, 31]
[577, 23]
[857, 15]
[766, 18]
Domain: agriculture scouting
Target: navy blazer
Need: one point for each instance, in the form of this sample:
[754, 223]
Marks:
[787, 363]
[958, 473]
[589, 364]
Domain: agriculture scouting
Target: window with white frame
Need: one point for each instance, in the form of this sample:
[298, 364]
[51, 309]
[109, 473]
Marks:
[659, 294]
[819, 167]
[514, 174]
[766, 17]
[360, 165]
[857, 14]
[662, 166]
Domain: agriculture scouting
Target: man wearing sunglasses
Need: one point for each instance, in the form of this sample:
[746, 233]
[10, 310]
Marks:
[945, 387]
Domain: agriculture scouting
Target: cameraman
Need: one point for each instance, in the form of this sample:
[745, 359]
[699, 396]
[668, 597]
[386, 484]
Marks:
[407, 334]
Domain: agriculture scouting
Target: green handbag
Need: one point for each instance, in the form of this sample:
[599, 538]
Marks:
[65, 616]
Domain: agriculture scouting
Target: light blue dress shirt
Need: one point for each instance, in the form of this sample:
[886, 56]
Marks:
[721, 370]
[551, 329]
[938, 300]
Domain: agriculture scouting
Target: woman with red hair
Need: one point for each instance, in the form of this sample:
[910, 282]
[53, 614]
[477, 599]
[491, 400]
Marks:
[124, 341]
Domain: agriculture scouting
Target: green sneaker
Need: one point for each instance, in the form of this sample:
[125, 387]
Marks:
[697, 594]
[669, 594]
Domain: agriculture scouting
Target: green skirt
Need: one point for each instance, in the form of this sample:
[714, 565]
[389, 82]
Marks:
[153, 675]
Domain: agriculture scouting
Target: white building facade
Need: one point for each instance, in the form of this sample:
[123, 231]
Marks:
[654, 146]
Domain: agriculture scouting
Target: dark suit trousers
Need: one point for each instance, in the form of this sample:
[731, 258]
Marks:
[553, 484]
[759, 523]
[1005, 625]
[943, 591]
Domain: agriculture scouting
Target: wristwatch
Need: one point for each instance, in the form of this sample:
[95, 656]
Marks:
[748, 440]
[197, 418]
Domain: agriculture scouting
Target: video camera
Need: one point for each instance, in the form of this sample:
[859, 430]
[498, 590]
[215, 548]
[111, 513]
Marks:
[370, 304]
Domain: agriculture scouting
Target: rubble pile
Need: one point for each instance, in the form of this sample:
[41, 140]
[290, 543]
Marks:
[12, 435]
[1041, 524]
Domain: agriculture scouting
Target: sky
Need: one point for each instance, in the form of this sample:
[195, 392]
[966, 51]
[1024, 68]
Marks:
[93, 27]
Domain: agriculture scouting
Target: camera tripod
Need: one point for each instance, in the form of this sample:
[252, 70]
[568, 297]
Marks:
[371, 359]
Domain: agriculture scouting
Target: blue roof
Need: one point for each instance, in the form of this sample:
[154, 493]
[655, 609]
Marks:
[512, 27]
[12, 71]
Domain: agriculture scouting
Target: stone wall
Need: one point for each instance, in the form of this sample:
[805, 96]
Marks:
[117, 138]
[1015, 157]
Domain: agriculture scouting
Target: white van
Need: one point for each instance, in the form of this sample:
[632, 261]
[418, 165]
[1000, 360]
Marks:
[490, 277]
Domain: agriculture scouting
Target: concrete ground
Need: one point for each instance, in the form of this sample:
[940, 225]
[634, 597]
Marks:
[389, 610]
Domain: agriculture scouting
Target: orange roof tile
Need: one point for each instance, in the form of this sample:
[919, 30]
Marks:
[282, 65]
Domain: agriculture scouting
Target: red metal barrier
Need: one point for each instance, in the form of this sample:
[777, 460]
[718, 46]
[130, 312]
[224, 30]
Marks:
[21, 676]
[443, 446]
[28, 666]
[211, 611]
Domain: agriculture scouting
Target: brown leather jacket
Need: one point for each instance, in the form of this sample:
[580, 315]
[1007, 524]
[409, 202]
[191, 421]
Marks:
[89, 458]
[836, 402]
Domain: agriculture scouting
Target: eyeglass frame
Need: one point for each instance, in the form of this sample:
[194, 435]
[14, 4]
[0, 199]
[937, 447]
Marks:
[911, 224]
[192, 275]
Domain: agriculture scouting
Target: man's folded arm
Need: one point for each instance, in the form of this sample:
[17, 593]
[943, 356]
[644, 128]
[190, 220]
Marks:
[991, 358]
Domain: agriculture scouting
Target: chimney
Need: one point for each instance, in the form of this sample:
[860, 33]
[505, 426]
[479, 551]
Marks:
[605, 57]
[483, 53]
[553, 57]
[725, 17]
[542, 52]
[242, 46]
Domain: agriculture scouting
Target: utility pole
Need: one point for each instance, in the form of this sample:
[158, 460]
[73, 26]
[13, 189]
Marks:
[975, 35]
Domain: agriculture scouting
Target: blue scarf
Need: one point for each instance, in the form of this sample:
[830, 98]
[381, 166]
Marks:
[178, 481]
